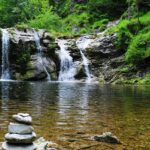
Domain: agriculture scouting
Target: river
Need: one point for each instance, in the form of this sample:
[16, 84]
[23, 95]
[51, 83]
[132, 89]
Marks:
[69, 113]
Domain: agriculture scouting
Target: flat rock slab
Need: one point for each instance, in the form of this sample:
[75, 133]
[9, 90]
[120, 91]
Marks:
[15, 128]
[23, 118]
[20, 139]
[7, 146]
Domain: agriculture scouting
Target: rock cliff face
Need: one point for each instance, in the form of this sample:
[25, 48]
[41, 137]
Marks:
[105, 62]
[23, 55]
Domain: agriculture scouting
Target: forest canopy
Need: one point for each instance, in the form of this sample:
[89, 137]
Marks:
[75, 17]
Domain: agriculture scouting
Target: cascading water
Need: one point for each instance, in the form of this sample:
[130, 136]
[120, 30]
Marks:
[67, 69]
[40, 53]
[5, 72]
[82, 43]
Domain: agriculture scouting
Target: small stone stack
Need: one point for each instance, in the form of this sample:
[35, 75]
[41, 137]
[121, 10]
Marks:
[20, 134]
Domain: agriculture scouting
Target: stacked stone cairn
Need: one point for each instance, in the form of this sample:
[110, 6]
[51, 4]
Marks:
[20, 134]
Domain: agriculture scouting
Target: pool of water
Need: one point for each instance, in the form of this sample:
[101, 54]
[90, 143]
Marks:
[70, 113]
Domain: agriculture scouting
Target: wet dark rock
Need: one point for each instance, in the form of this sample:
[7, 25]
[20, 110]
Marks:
[107, 137]
[8, 146]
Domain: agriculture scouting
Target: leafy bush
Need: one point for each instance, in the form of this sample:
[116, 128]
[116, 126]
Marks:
[111, 8]
[121, 25]
[100, 24]
[139, 48]
[76, 22]
[145, 80]
[145, 19]
[47, 20]
[13, 12]
[123, 39]
[124, 70]
[132, 33]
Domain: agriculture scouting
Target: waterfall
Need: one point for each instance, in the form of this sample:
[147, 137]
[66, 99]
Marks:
[5, 72]
[67, 69]
[82, 43]
[40, 53]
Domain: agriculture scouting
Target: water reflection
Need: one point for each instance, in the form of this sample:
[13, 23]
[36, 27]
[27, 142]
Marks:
[61, 108]
[5, 94]
[73, 102]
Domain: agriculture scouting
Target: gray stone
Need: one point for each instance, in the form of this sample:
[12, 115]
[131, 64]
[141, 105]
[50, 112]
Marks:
[103, 45]
[7, 146]
[112, 23]
[42, 144]
[107, 137]
[47, 35]
[22, 118]
[41, 33]
[20, 139]
[15, 128]
[45, 41]
[25, 35]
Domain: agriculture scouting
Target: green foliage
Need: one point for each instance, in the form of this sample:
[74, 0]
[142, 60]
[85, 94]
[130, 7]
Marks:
[133, 37]
[136, 80]
[111, 9]
[146, 80]
[124, 36]
[141, 5]
[22, 26]
[14, 11]
[76, 22]
[123, 39]
[79, 17]
[101, 25]
[121, 25]
[145, 19]
[46, 20]
[139, 48]
[28, 75]
[23, 59]
[124, 70]
[69, 17]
